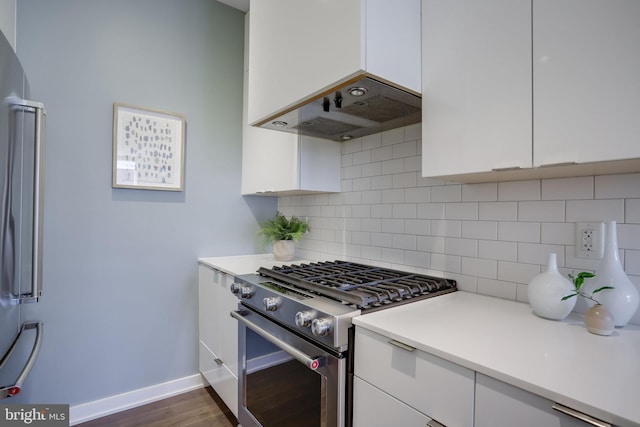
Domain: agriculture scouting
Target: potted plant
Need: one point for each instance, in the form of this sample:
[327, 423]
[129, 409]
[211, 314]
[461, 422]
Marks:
[281, 232]
[597, 319]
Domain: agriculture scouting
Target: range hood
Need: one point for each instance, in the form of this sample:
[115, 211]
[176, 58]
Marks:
[359, 107]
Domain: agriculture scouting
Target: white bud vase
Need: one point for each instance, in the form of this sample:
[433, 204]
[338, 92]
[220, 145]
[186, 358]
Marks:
[545, 292]
[621, 301]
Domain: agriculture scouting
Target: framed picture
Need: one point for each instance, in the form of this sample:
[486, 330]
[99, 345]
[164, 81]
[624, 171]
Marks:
[148, 148]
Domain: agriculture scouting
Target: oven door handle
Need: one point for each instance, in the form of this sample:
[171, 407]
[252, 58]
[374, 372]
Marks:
[312, 362]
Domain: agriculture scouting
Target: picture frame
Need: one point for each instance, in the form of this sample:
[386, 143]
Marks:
[148, 148]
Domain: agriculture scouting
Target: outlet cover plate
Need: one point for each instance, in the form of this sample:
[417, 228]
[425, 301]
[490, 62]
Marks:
[590, 239]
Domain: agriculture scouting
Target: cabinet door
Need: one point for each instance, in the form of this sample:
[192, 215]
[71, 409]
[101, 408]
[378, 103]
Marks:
[227, 324]
[476, 86]
[208, 310]
[433, 386]
[372, 407]
[500, 404]
[586, 87]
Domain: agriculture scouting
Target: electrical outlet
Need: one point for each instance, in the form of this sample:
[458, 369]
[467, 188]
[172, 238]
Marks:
[590, 240]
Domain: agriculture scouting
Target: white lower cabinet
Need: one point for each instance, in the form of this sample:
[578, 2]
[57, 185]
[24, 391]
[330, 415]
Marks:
[218, 334]
[373, 407]
[500, 404]
[423, 383]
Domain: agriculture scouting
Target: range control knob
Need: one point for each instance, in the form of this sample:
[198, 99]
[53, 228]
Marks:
[304, 318]
[246, 291]
[234, 288]
[321, 327]
[271, 303]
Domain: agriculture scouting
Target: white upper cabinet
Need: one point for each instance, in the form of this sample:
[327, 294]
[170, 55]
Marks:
[586, 79]
[527, 84]
[275, 163]
[299, 49]
[476, 86]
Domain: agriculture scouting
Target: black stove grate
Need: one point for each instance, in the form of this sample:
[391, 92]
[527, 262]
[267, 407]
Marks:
[366, 286]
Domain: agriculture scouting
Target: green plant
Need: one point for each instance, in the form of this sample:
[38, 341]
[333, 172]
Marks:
[281, 228]
[577, 284]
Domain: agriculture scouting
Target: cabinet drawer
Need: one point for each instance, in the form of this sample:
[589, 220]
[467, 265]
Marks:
[219, 377]
[367, 401]
[439, 389]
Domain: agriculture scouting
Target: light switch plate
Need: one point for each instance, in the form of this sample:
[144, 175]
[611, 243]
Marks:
[590, 240]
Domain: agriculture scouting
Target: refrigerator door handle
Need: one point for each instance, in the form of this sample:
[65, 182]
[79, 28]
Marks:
[37, 108]
[12, 390]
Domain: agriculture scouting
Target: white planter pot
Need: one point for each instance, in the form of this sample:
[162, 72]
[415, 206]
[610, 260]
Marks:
[284, 250]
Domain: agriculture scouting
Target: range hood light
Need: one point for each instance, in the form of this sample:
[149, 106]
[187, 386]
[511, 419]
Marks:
[346, 137]
[280, 124]
[357, 91]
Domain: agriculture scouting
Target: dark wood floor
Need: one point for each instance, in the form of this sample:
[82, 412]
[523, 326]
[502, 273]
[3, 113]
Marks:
[200, 407]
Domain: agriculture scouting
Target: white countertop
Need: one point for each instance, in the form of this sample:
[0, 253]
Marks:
[244, 264]
[561, 361]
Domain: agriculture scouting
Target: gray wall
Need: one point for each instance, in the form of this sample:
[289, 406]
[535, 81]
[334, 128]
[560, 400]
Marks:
[120, 271]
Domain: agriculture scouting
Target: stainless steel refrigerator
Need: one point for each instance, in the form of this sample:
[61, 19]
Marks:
[21, 186]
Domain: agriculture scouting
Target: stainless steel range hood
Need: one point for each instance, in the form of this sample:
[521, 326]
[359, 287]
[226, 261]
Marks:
[359, 107]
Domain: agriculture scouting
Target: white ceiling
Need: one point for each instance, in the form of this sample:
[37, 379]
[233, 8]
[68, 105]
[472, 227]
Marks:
[242, 5]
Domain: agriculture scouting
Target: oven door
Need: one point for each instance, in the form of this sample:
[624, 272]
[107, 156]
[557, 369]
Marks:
[285, 380]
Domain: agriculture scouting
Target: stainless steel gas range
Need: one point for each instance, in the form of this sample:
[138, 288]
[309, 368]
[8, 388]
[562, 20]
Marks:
[296, 336]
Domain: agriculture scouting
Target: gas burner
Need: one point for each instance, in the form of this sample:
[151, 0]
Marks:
[367, 287]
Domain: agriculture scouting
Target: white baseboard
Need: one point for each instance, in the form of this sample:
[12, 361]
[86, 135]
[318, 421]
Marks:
[131, 399]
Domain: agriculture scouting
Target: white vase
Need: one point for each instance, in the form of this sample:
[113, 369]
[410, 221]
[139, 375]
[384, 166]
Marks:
[621, 301]
[545, 292]
[284, 250]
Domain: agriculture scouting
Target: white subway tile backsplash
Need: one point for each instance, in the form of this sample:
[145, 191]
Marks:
[618, 186]
[446, 228]
[497, 288]
[480, 192]
[558, 233]
[492, 238]
[407, 210]
[446, 193]
[595, 210]
[519, 231]
[628, 236]
[567, 188]
[405, 149]
[381, 154]
[430, 244]
[417, 195]
[516, 272]
[418, 227]
[502, 251]
[389, 167]
[498, 211]
[431, 210]
[462, 247]
[449, 263]
[468, 211]
[485, 230]
[533, 253]
[381, 182]
[519, 190]
[552, 211]
[632, 211]
[392, 196]
[632, 262]
[404, 241]
[405, 180]
[392, 226]
[479, 267]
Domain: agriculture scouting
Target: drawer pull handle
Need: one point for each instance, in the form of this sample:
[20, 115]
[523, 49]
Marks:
[401, 345]
[434, 423]
[553, 165]
[219, 361]
[506, 169]
[579, 415]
